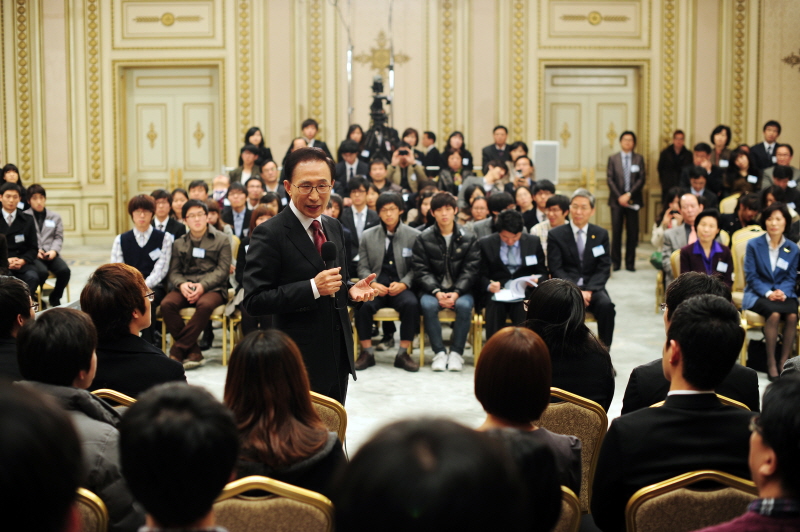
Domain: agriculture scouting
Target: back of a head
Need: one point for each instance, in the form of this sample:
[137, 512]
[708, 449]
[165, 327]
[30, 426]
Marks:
[556, 312]
[56, 346]
[178, 446]
[429, 475]
[110, 296]
[708, 330]
[16, 302]
[500, 201]
[692, 284]
[40, 461]
[779, 426]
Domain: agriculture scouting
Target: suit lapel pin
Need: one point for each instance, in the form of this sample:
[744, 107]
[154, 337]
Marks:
[786, 250]
[458, 250]
[592, 236]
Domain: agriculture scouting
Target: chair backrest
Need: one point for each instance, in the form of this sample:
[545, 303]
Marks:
[113, 395]
[722, 399]
[284, 507]
[724, 238]
[675, 262]
[585, 419]
[92, 511]
[728, 205]
[235, 243]
[738, 250]
[672, 506]
[332, 413]
[570, 518]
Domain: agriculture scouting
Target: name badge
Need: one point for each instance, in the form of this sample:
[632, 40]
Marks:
[356, 258]
[413, 177]
[723, 163]
[155, 254]
[752, 179]
[782, 263]
[246, 248]
[405, 197]
[19, 238]
[598, 250]
[465, 161]
[21, 205]
[774, 159]
[388, 145]
[791, 205]
[634, 168]
[365, 153]
[283, 202]
[722, 267]
[49, 223]
[198, 253]
[226, 202]
[407, 252]
[792, 183]
[531, 260]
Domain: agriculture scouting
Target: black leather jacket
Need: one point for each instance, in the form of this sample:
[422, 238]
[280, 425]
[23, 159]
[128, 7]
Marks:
[432, 259]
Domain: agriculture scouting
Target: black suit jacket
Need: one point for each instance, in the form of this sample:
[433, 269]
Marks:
[280, 263]
[692, 262]
[9, 367]
[647, 386]
[688, 433]
[714, 181]
[432, 158]
[131, 365]
[493, 269]
[174, 227]
[3, 255]
[670, 165]
[760, 157]
[490, 153]
[28, 247]
[340, 183]
[562, 256]
[348, 220]
[227, 217]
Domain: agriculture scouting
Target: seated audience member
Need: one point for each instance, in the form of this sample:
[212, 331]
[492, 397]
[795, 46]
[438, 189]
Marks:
[524, 201]
[162, 219]
[334, 210]
[774, 464]
[215, 220]
[237, 215]
[579, 252]
[698, 178]
[516, 150]
[248, 154]
[148, 250]
[254, 136]
[512, 383]
[386, 250]
[524, 174]
[271, 199]
[478, 209]
[701, 156]
[498, 151]
[199, 269]
[557, 209]
[671, 162]
[50, 235]
[764, 153]
[178, 447]
[770, 269]
[356, 134]
[420, 218]
[20, 232]
[770, 195]
[358, 218]
[693, 430]
[456, 142]
[542, 191]
[681, 235]
[39, 450]
[310, 128]
[720, 139]
[669, 217]
[404, 170]
[282, 436]
[372, 197]
[10, 174]
[297, 143]
[707, 255]
[648, 385]
[581, 365]
[255, 191]
[260, 214]
[433, 474]
[348, 167]
[742, 175]
[198, 189]
[454, 175]
[17, 308]
[432, 155]
[118, 301]
[498, 202]
[493, 179]
[507, 255]
[745, 214]
[783, 157]
[269, 176]
[781, 176]
[411, 137]
[445, 263]
[179, 198]
[377, 174]
[56, 357]
[3, 255]
[219, 189]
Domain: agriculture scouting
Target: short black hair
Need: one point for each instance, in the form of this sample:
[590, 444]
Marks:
[161, 193]
[142, 201]
[252, 148]
[235, 186]
[702, 146]
[544, 184]
[378, 160]
[309, 122]
[337, 199]
[304, 155]
[497, 163]
[5, 187]
[518, 144]
[785, 145]
[692, 284]
[499, 201]
[707, 213]
[750, 201]
[254, 178]
[719, 129]
[349, 146]
[178, 447]
[524, 157]
[16, 298]
[678, 132]
[39, 450]
[779, 426]
[431, 135]
[774, 123]
[194, 203]
[36, 189]
[783, 209]
[697, 171]
[510, 221]
[628, 132]
[782, 172]
[708, 330]
[504, 128]
[443, 199]
[199, 183]
[390, 197]
[558, 200]
[356, 183]
[56, 346]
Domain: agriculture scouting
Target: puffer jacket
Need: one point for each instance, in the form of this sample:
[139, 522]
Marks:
[432, 259]
[96, 423]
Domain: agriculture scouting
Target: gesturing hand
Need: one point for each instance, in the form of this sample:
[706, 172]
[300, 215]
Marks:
[361, 291]
[328, 281]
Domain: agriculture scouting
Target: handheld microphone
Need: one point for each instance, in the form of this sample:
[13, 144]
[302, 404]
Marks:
[329, 253]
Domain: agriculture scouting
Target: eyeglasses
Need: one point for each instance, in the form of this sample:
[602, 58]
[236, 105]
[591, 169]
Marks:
[525, 304]
[391, 209]
[35, 307]
[663, 307]
[151, 296]
[305, 190]
[754, 424]
[196, 216]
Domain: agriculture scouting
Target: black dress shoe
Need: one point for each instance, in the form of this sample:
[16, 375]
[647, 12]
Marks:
[365, 360]
[616, 268]
[631, 269]
[406, 362]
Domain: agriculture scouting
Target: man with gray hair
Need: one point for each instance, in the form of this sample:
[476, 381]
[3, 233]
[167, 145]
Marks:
[579, 252]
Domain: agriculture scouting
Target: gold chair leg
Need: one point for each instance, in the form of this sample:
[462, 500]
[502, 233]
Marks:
[421, 341]
[163, 335]
[224, 340]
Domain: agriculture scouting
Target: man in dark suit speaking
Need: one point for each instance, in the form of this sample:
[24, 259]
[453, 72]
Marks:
[285, 275]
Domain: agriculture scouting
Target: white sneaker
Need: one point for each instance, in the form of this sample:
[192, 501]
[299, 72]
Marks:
[439, 362]
[455, 362]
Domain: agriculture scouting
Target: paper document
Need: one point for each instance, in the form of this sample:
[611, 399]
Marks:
[514, 290]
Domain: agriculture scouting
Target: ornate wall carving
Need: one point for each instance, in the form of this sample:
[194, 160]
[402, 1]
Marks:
[448, 61]
[668, 77]
[315, 66]
[739, 70]
[23, 91]
[94, 90]
[245, 119]
[519, 59]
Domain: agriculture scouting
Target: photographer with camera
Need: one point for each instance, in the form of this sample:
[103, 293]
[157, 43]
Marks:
[404, 170]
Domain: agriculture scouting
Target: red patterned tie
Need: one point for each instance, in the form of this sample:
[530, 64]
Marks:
[319, 236]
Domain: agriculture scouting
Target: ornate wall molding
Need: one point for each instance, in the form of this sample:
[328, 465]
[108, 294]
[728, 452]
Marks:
[518, 74]
[669, 52]
[315, 96]
[739, 84]
[244, 66]
[448, 60]
[93, 82]
[23, 88]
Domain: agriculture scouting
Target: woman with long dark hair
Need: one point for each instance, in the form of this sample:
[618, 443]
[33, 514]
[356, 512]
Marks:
[256, 138]
[455, 142]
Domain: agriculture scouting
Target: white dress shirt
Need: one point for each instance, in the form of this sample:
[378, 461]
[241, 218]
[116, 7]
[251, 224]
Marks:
[13, 215]
[161, 267]
[306, 223]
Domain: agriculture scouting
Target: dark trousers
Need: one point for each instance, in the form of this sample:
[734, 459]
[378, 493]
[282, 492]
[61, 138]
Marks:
[629, 217]
[497, 312]
[185, 334]
[147, 334]
[605, 314]
[254, 323]
[28, 275]
[338, 390]
[405, 303]
[60, 270]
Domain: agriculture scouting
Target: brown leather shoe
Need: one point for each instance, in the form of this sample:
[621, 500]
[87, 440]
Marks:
[406, 362]
[365, 360]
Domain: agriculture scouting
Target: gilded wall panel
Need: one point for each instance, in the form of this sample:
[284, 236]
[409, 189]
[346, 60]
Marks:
[595, 24]
[164, 25]
[98, 216]
[198, 126]
[23, 96]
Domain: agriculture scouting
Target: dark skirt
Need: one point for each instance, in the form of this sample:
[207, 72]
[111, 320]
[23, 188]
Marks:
[765, 307]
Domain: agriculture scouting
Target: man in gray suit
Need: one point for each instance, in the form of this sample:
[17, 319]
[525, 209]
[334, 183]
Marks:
[498, 202]
[783, 156]
[626, 176]
[679, 236]
[386, 250]
[50, 232]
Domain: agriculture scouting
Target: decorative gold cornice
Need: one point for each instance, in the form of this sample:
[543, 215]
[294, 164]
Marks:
[669, 51]
[739, 44]
[595, 18]
[23, 89]
[447, 68]
[244, 65]
[315, 58]
[168, 19]
[565, 134]
[93, 78]
[379, 57]
[518, 58]
[198, 134]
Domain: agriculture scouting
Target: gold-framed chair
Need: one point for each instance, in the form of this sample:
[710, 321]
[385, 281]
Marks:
[722, 399]
[92, 511]
[113, 395]
[283, 507]
[580, 417]
[659, 290]
[724, 238]
[332, 413]
[218, 314]
[570, 518]
[738, 247]
[672, 506]
[728, 205]
[449, 316]
[49, 286]
[675, 262]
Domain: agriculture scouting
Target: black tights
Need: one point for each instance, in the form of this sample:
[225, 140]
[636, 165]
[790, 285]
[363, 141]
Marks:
[771, 338]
